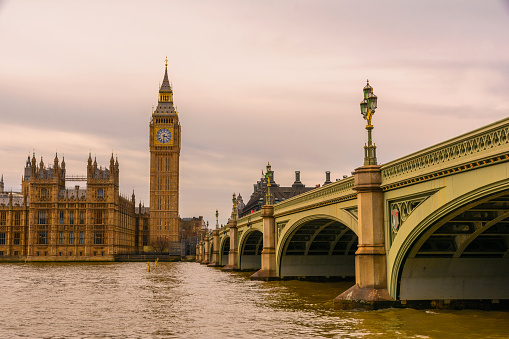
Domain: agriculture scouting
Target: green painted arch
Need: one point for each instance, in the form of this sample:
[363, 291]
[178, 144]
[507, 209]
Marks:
[245, 235]
[222, 245]
[290, 229]
[488, 191]
[211, 249]
[245, 261]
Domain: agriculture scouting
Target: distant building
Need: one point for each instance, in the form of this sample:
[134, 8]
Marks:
[164, 142]
[257, 199]
[47, 221]
[190, 229]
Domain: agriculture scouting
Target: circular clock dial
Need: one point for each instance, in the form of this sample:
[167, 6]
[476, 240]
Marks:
[163, 135]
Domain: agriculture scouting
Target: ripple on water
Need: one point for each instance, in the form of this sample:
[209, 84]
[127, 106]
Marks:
[188, 300]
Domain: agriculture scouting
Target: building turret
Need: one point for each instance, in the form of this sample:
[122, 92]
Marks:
[34, 165]
[55, 164]
[165, 100]
[28, 170]
[116, 172]
[89, 166]
[2, 184]
[63, 165]
[42, 170]
[240, 204]
[112, 163]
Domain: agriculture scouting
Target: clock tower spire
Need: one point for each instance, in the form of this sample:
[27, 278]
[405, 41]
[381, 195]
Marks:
[164, 142]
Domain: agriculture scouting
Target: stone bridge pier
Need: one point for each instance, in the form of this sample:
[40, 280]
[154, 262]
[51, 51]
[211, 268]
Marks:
[233, 259]
[370, 287]
[268, 270]
[198, 252]
[215, 249]
[206, 246]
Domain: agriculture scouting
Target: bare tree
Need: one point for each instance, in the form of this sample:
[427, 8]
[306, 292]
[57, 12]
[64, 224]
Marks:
[159, 245]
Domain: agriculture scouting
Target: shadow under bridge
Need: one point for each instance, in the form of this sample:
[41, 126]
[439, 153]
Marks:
[319, 248]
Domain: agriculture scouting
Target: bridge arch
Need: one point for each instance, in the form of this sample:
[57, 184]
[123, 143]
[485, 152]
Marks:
[459, 251]
[319, 245]
[224, 250]
[211, 249]
[250, 250]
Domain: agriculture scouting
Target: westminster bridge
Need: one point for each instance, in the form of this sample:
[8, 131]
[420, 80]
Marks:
[430, 226]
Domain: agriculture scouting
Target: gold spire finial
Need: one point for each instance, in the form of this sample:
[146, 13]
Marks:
[166, 62]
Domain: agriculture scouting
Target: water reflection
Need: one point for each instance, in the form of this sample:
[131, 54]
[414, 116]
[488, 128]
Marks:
[188, 300]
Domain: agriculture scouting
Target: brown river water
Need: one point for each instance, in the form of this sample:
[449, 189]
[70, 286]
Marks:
[189, 300]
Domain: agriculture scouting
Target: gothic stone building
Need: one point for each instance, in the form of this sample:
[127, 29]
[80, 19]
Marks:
[47, 221]
[164, 142]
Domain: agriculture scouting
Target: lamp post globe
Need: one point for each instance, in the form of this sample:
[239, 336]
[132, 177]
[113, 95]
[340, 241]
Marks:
[367, 89]
[372, 101]
[364, 108]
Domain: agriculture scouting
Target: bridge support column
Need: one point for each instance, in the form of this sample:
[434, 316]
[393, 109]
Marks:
[215, 249]
[205, 260]
[268, 270]
[198, 252]
[233, 259]
[370, 290]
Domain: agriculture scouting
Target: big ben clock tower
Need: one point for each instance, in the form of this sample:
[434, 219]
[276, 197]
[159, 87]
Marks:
[164, 171]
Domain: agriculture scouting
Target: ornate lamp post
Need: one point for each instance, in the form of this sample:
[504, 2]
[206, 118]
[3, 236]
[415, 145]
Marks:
[268, 197]
[234, 209]
[368, 106]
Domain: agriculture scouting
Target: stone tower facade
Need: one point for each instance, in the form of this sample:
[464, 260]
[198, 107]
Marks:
[48, 221]
[164, 141]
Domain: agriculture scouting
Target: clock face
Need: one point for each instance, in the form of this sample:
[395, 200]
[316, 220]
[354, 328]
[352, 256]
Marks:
[163, 136]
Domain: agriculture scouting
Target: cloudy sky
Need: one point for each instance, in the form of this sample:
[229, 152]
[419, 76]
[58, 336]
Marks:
[254, 81]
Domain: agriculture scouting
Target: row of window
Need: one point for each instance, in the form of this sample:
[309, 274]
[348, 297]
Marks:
[16, 253]
[44, 193]
[99, 217]
[163, 97]
[17, 218]
[42, 238]
[17, 238]
[164, 120]
[44, 218]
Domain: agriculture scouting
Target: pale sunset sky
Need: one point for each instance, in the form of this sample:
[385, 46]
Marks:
[254, 81]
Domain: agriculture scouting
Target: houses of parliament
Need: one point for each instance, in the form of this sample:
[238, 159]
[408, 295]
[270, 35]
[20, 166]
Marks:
[48, 220]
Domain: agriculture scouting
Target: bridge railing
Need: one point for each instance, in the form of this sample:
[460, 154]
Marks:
[480, 144]
[319, 196]
[333, 192]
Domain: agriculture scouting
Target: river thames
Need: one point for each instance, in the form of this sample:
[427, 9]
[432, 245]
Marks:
[189, 300]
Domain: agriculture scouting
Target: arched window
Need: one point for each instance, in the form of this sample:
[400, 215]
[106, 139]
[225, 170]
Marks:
[100, 193]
